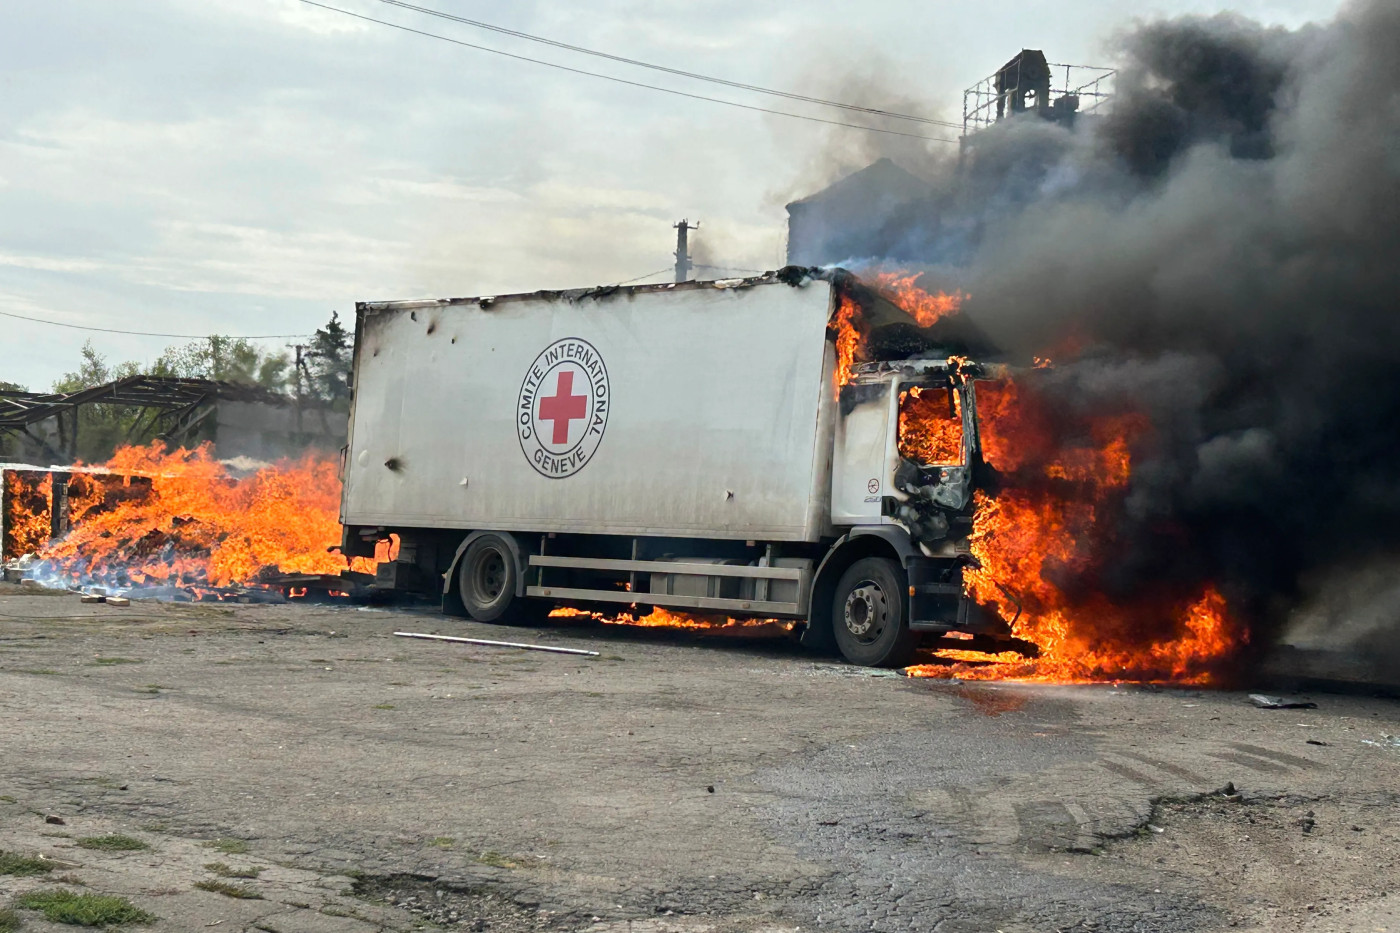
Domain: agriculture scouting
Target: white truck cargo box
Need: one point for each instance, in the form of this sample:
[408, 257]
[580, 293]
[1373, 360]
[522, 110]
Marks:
[699, 410]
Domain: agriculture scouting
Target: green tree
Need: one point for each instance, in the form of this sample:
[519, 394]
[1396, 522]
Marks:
[328, 365]
[99, 427]
[226, 359]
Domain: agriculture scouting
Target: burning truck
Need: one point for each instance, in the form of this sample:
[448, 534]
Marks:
[802, 450]
[795, 446]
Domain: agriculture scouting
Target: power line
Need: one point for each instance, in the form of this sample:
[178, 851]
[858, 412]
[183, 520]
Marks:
[701, 265]
[758, 89]
[650, 87]
[640, 277]
[147, 333]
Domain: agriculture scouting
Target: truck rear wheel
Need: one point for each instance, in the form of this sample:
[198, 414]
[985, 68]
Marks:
[869, 616]
[486, 581]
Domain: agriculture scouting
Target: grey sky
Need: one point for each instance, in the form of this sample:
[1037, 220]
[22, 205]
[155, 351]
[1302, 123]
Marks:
[245, 166]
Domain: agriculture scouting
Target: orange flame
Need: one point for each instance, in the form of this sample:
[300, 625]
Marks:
[1046, 536]
[664, 618]
[898, 287]
[847, 337]
[198, 524]
[928, 432]
[924, 306]
[29, 511]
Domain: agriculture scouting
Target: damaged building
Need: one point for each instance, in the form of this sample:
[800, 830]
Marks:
[869, 213]
[240, 420]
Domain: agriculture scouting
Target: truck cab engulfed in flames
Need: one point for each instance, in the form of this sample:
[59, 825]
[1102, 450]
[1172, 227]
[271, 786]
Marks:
[911, 426]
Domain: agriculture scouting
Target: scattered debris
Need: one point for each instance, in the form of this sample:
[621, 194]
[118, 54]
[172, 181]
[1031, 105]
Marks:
[1268, 702]
[55, 820]
[1387, 741]
[498, 644]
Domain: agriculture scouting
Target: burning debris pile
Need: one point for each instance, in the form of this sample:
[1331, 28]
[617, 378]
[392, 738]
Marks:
[180, 524]
[1212, 268]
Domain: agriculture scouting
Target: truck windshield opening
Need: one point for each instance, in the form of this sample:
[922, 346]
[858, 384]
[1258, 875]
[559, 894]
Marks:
[931, 426]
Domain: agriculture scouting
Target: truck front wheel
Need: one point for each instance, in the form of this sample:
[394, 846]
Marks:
[486, 580]
[869, 616]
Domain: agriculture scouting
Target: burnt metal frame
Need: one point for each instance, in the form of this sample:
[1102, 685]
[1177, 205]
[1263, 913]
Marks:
[183, 404]
[1085, 81]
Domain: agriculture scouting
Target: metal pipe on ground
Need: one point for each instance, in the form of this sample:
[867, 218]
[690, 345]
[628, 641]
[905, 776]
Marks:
[498, 644]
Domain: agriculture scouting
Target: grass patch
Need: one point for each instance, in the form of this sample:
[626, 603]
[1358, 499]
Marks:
[227, 871]
[227, 846]
[84, 910]
[242, 892]
[9, 921]
[22, 866]
[495, 860]
[442, 842]
[35, 670]
[384, 706]
[154, 827]
[6, 798]
[109, 662]
[115, 842]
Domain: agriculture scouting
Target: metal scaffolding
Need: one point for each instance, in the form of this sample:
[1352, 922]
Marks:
[1030, 84]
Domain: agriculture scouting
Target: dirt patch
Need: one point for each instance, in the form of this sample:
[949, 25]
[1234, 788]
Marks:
[1284, 862]
[464, 907]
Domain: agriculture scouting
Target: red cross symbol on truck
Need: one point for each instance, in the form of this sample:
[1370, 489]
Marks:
[563, 407]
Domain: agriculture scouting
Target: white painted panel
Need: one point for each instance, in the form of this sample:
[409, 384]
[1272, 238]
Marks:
[860, 468]
[714, 398]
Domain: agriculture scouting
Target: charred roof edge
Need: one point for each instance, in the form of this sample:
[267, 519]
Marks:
[795, 276]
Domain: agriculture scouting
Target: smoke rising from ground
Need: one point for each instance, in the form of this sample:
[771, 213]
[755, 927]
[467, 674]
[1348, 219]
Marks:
[1223, 253]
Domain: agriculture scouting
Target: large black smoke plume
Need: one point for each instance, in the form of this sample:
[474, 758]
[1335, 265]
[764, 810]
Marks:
[1222, 251]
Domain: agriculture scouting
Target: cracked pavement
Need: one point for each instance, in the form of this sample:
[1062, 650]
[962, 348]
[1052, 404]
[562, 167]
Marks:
[678, 782]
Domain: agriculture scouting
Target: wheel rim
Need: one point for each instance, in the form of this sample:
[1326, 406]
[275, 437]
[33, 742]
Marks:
[489, 580]
[866, 612]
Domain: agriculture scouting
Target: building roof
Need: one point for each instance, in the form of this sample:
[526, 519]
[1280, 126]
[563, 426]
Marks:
[882, 178]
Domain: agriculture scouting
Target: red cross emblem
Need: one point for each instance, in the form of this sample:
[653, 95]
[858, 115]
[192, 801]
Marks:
[544, 423]
[563, 407]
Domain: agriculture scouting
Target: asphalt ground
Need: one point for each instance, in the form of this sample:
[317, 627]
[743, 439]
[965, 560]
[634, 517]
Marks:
[676, 782]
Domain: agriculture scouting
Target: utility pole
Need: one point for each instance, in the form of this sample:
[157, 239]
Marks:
[683, 249]
[302, 357]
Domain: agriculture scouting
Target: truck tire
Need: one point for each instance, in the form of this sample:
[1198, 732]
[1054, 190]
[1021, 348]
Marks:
[486, 580]
[869, 616]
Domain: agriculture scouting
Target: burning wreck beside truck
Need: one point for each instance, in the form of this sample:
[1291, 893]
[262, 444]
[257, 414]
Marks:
[182, 525]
